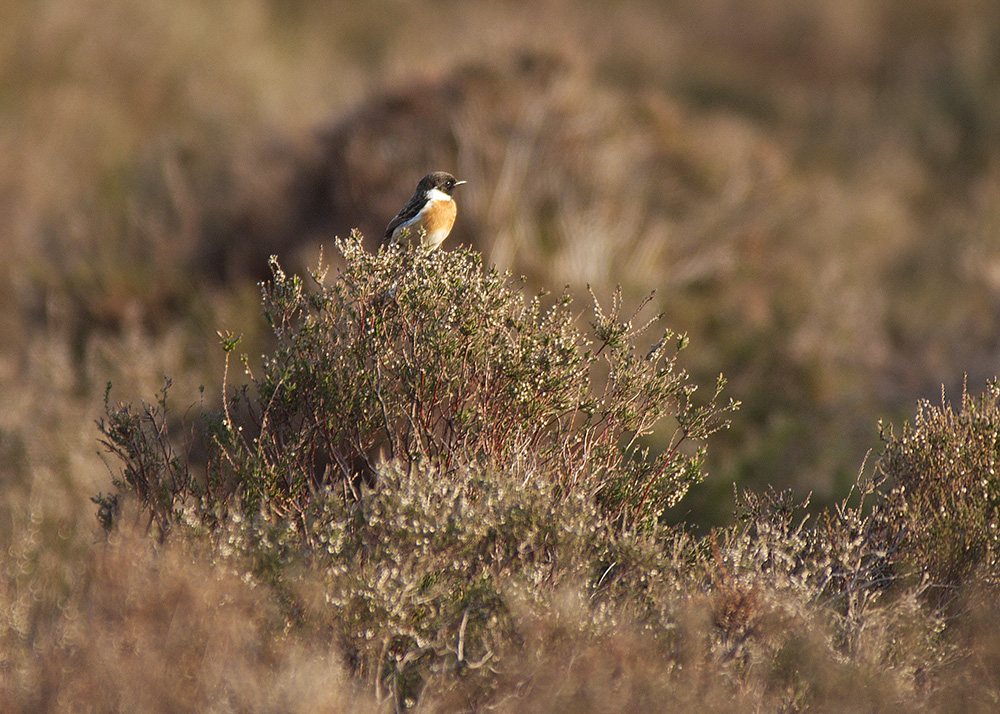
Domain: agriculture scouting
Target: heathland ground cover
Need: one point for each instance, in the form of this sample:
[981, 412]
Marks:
[359, 498]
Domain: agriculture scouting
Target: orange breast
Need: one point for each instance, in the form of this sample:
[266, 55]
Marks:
[440, 216]
[437, 220]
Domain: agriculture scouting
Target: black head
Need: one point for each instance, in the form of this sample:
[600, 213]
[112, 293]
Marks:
[441, 180]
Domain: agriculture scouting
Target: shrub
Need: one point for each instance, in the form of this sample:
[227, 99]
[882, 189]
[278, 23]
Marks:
[429, 359]
[423, 447]
[943, 490]
[424, 582]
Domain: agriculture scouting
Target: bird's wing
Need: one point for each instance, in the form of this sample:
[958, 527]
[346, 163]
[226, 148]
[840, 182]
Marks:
[409, 212]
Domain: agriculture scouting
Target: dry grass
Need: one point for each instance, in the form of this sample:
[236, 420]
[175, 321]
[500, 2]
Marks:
[126, 626]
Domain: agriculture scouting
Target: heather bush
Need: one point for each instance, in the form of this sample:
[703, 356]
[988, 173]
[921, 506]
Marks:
[430, 446]
[430, 360]
[427, 580]
[880, 587]
[831, 575]
[432, 475]
[943, 492]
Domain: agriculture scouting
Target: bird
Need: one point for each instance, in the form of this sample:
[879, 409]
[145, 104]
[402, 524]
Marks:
[431, 212]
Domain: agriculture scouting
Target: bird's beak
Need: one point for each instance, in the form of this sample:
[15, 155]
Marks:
[459, 183]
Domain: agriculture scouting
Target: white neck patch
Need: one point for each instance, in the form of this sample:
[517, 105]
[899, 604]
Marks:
[436, 194]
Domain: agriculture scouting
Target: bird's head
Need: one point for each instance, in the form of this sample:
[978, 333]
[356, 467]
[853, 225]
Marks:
[441, 180]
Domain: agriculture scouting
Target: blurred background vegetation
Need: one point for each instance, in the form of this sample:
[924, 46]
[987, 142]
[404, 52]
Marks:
[810, 188]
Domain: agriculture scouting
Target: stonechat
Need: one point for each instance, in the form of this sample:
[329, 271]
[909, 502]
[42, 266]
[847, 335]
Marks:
[430, 213]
